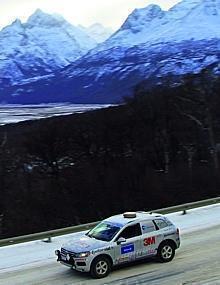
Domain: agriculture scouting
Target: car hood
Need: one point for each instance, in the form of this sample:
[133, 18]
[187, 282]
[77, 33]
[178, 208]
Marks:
[83, 243]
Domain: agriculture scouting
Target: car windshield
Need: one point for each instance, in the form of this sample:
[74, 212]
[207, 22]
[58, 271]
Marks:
[104, 231]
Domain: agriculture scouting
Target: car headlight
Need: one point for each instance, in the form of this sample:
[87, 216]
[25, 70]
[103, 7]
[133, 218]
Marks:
[83, 254]
[57, 252]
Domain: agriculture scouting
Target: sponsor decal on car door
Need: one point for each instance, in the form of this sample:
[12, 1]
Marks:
[150, 239]
[128, 251]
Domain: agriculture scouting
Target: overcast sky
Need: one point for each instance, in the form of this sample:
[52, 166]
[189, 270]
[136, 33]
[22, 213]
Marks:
[110, 13]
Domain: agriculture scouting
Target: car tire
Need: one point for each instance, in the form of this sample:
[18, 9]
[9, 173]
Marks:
[100, 267]
[166, 252]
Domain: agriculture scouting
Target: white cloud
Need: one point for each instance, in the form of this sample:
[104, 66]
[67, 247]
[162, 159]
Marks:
[85, 12]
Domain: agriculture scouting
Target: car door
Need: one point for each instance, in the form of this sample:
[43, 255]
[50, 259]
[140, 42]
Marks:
[166, 228]
[151, 238]
[130, 249]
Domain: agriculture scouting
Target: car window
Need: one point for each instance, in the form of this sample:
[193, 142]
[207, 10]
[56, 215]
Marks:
[160, 223]
[147, 227]
[131, 231]
[168, 221]
[104, 231]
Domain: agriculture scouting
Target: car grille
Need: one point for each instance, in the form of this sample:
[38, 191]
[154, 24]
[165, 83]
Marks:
[65, 252]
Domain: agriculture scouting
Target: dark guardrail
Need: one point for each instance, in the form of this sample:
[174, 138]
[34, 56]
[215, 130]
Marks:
[48, 235]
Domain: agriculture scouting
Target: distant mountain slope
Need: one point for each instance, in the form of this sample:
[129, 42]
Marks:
[40, 46]
[107, 80]
[151, 44]
[98, 32]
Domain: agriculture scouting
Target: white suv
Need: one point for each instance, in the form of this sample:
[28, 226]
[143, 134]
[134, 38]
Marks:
[121, 239]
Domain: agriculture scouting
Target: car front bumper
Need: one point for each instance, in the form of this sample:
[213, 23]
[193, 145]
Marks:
[79, 264]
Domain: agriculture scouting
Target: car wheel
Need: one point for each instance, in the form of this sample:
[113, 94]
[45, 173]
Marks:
[166, 252]
[100, 267]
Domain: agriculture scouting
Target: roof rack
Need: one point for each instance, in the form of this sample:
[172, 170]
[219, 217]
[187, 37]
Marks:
[130, 215]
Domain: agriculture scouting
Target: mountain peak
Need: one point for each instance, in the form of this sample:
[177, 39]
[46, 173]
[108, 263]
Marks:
[14, 27]
[187, 20]
[97, 32]
[140, 17]
[184, 7]
[38, 14]
[40, 18]
[17, 22]
[152, 9]
[198, 13]
[96, 26]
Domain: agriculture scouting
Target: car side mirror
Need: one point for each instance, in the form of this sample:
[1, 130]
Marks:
[121, 240]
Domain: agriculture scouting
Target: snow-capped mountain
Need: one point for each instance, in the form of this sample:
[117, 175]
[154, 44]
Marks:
[187, 20]
[40, 46]
[98, 32]
[151, 44]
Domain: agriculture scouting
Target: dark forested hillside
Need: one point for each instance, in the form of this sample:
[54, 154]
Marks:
[160, 148]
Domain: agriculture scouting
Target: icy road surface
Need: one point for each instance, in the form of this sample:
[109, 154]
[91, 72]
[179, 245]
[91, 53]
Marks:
[196, 262]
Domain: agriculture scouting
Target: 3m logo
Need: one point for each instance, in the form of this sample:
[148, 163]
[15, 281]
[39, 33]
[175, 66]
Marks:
[149, 241]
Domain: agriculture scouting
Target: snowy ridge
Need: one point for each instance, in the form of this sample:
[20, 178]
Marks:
[139, 18]
[150, 45]
[40, 46]
[189, 19]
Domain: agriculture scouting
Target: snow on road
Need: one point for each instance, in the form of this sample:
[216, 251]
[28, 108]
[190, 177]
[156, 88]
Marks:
[19, 113]
[30, 254]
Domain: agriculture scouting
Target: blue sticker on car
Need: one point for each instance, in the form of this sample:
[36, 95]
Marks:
[127, 248]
